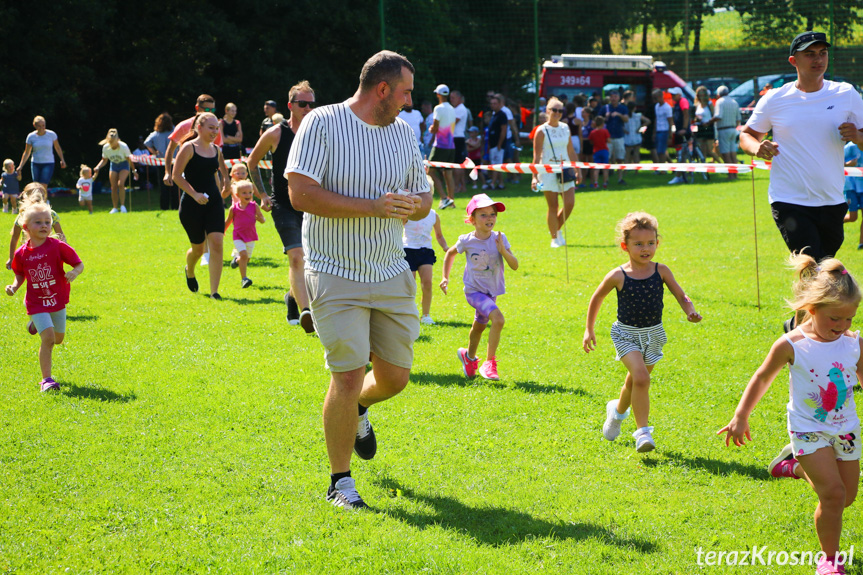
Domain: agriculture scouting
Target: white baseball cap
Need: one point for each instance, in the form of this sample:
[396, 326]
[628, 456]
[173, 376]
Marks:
[442, 89]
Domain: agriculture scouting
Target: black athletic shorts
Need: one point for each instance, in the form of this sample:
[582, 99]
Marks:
[816, 228]
[199, 220]
[460, 150]
[417, 257]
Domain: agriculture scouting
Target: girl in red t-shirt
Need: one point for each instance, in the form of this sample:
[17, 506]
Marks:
[41, 260]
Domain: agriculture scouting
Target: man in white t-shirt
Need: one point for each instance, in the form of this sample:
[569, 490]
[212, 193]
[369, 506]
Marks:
[663, 115]
[415, 120]
[355, 170]
[462, 122]
[443, 148]
[811, 119]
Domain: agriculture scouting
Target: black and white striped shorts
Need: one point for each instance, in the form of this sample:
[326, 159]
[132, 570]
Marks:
[647, 340]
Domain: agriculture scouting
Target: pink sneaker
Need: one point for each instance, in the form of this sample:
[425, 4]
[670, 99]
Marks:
[31, 328]
[48, 384]
[489, 369]
[827, 567]
[468, 365]
[783, 464]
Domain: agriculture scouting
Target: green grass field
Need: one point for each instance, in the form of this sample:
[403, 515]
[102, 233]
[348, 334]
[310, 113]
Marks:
[187, 436]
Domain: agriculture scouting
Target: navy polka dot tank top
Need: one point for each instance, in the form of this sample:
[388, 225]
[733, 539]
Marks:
[639, 303]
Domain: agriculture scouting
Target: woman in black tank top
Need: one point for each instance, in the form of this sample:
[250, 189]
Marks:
[232, 134]
[202, 211]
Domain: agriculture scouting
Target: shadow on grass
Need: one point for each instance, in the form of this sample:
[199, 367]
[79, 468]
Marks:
[82, 317]
[714, 466]
[499, 526]
[451, 323]
[451, 379]
[247, 301]
[424, 337]
[533, 387]
[458, 380]
[97, 393]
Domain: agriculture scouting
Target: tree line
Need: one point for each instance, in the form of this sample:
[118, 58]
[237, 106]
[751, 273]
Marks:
[91, 65]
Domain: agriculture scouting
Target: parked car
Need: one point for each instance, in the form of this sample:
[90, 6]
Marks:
[713, 83]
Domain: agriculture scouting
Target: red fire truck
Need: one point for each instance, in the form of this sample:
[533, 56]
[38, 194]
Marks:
[591, 74]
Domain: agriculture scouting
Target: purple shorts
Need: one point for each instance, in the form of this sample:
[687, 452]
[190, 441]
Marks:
[483, 303]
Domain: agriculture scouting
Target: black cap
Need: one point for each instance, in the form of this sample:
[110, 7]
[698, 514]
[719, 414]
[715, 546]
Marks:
[806, 39]
[272, 103]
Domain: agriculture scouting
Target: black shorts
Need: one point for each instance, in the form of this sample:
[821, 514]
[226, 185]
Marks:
[816, 228]
[417, 257]
[198, 220]
[460, 150]
[232, 152]
[289, 225]
[442, 155]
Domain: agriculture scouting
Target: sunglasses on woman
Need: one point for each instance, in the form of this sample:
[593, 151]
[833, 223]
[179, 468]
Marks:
[558, 110]
[304, 104]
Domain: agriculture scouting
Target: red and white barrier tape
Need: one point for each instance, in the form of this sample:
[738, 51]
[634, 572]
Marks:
[154, 161]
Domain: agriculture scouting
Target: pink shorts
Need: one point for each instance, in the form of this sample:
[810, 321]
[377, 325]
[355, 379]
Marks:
[483, 303]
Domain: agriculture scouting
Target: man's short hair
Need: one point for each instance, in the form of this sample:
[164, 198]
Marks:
[385, 66]
[301, 86]
[204, 98]
[722, 91]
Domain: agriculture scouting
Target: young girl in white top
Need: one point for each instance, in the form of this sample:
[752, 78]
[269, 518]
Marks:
[823, 357]
[551, 145]
[85, 187]
[420, 256]
[116, 153]
[638, 335]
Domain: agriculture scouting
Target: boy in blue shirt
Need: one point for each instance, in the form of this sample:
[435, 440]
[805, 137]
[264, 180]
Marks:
[853, 187]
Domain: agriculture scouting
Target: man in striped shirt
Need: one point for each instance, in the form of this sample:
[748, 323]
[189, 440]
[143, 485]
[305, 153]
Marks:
[356, 172]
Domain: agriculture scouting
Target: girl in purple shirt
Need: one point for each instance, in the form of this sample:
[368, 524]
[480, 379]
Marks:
[486, 251]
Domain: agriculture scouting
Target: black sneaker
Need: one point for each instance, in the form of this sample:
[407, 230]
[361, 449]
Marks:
[234, 263]
[306, 321]
[191, 283]
[246, 282]
[789, 324]
[345, 495]
[215, 296]
[365, 445]
[293, 310]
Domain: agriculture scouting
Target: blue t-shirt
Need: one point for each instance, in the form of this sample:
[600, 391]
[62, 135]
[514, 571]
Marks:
[614, 125]
[852, 152]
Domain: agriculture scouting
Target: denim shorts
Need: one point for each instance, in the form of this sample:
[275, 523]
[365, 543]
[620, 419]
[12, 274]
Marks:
[289, 225]
[120, 166]
[661, 141]
[42, 173]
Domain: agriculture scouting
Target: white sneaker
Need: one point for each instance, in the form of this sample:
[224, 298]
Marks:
[122, 209]
[676, 180]
[345, 494]
[560, 239]
[644, 440]
[611, 428]
[113, 211]
[426, 320]
[205, 259]
[554, 243]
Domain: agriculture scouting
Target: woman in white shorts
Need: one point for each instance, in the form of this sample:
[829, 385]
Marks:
[551, 145]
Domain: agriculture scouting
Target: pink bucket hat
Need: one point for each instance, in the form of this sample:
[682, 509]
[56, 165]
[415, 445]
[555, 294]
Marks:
[482, 201]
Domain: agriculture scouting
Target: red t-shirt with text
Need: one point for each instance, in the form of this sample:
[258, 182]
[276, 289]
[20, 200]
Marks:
[42, 267]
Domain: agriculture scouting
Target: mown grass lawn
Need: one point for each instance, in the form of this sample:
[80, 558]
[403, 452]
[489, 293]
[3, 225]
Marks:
[187, 434]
